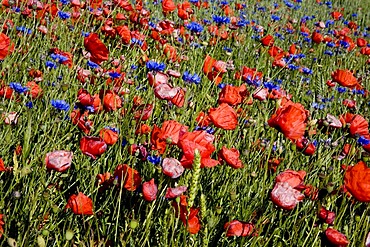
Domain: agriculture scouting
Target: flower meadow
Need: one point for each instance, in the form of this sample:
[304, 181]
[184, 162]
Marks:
[184, 123]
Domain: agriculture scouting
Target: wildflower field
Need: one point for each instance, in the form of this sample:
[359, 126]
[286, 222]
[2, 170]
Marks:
[184, 123]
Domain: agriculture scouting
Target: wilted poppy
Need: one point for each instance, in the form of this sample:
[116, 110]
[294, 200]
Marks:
[172, 193]
[285, 196]
[345, 78]
[150, 190]
[109, 136]
[92, 146]
[336, 238]
[326, 216]
[97, 49]
[6, 46]
[224, 117]
[58, 160]
[80, 204]
[172, 167]
[231, 157]
[128, 177]
[290, 118]
[357, 181]
[238, 228]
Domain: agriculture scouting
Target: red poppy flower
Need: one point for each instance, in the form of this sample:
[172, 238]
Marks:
[276, 52]
[358, 124]
[92, 146]
[345, 78]
[285, 196]
[317, 37]
[170, 52]
[150, 190]
[97, 49]
[142, 129]
[172, 193]
[326, 216]
[2, 166]
[2, 223]
[168, 6]
[224, 117]
[336, 15]
[6, 46]
[357, 181]
[290, 118]
[34, 90]
[80, 204]
[191, 218]
[109, 136]
[58, 160]
[203, 119]
[238, 228]
[157, 140]
[111, 101]
[361, 42]
[293, 178]
[231, 157]
[214, 69]
[179, 98]
[172, 167]
[268, 40]
[201, 140]
[248, 74]
[128, 177]
[124, 33]
[6, 92]
[82, 120]
[305, 146]
[336, 238]
[165, 91]
[171, 131]
[232, 95]
[143, 112]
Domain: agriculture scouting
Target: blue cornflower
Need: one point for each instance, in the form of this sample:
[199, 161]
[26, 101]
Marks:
[29, 104]
[194, 27]
[64, 15]
[358, 91]
[59, 58]
[344, 44]
[341, 89]
[92, 65]
[16, 86]
[85, 34]
[221, 19]
[330, 44]
[24, 30]
[242, 23]
[275, 18]
[288, 4]
[135, 41]
[133, 67]
[60, 104]
[293, 67]
[363, 141]
[187, 77]
[270, 86]
[152, 65]
[328, 23]
[50, 64]
[328, 52]
[154, 159]
[221, 85]
[318, 106]
[227, 49]
[65, 2]
[307, 71]
[114, 75]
